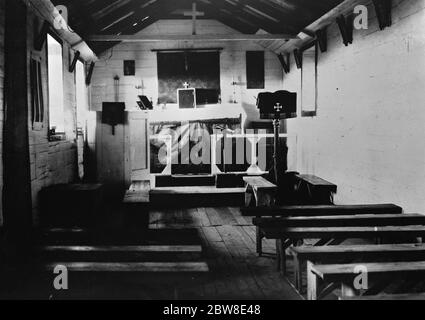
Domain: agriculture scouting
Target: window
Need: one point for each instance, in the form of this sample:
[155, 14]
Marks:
[37, 101]
[200, 70]
[255, 73]
[55, 74]
[81, 94]
[309, 83]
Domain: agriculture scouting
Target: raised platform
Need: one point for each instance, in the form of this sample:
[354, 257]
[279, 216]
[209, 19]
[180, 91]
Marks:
[196, 196]
[184, 180]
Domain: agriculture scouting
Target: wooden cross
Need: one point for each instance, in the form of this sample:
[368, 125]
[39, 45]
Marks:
[194, 13]
[278, 107]
[186, 85]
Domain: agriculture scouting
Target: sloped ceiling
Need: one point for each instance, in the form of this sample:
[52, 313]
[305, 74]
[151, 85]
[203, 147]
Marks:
[127, 17]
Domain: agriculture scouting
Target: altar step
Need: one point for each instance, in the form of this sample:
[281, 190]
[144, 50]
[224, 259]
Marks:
[184, 180]
[197, 196]
[221, 180]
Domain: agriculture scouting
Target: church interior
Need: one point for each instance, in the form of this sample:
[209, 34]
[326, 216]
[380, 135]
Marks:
[212, 149]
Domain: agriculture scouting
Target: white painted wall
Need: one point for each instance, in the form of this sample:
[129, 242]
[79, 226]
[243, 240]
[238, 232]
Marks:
[232, 62]
[369, 133]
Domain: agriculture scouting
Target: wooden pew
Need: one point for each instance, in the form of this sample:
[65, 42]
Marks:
[323, 279]
[132, 267]
[81, 205]
[263, 193]
[342, 221]
[174, 275]
[118, 236]
[315, 190]
[344, 254]
[313, 211]
[262, 190]
[136, 202]
[158, 253]
[322, 210]
[387, 297]
[335, 235]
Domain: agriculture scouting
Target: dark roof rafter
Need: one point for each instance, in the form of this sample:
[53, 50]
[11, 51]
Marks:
[128, 17]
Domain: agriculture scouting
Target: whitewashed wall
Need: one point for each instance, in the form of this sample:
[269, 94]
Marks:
[52, 162]
[369, 133]
[232, 65]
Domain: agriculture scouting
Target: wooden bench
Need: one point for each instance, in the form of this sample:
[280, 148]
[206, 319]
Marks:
[321, 210]
[80, 205]
[136, 202]
[262, 190]
[344, 254]
[324, 279]
[313, 211]
[263, 193]
[119, 253]
[335, 235]
[387, 297]
[133, 267]
[174, 275]
[315, 190]
[342, 221]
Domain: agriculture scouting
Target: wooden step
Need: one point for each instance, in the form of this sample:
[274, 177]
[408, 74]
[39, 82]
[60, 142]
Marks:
[119, 253]
[322, 210]
[199, 196]
[184, 180]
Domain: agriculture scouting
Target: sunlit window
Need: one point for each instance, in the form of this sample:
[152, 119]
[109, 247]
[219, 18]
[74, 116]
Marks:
[81, 93]
[56, 97]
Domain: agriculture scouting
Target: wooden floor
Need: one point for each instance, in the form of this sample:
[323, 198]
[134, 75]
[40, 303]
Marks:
[228, 240]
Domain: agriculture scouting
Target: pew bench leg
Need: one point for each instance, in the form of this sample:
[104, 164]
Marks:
[263, 198]
[281, 246]
[313, 283]
[298, 280]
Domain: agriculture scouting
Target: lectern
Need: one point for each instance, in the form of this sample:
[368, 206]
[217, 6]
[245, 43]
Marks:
[277, 106]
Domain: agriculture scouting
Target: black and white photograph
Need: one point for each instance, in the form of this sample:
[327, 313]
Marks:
[212, 155]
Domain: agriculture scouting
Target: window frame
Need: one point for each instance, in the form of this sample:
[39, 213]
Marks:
[57, 135]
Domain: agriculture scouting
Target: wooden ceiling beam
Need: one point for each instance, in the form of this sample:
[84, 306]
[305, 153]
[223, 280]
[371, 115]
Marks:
[227, 18]
[203, 37]
[108, 7]
[285, 20]
[144, 17]
[345, 8]
[116, 15]
[240, 11]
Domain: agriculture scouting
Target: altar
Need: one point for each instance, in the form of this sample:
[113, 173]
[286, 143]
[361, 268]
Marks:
[184, 139]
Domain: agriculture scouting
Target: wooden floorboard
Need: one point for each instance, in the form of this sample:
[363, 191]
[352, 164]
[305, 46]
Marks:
[228, 240]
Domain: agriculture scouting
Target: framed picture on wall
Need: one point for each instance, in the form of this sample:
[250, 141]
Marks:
[309, 82]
